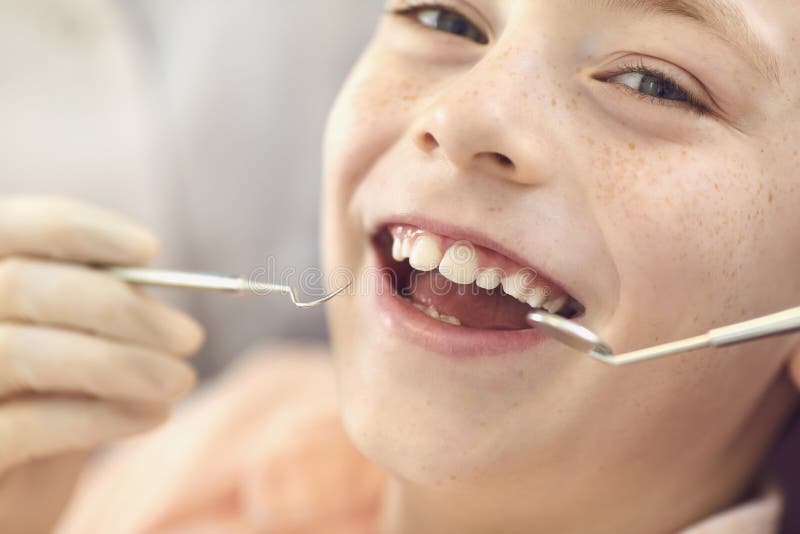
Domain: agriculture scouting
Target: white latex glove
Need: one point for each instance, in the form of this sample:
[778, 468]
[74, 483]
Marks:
[84, 358]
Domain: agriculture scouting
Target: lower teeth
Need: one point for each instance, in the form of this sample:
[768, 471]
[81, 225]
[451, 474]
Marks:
[430, 311]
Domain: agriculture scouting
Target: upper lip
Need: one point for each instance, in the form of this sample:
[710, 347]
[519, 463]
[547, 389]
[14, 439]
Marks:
[478, 238]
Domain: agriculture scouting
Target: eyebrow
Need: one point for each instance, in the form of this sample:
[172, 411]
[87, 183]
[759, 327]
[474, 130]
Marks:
[724, 19]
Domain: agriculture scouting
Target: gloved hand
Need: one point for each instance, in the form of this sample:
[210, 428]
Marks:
[84, 358]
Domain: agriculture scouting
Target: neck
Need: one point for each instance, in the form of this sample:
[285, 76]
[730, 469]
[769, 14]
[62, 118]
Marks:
[412, 509]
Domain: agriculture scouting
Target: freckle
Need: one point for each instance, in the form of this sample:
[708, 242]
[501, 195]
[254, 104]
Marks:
[553, 102]
[515, 405]
[520, 373]
[770, 197]
[632, 146]
[483, 423]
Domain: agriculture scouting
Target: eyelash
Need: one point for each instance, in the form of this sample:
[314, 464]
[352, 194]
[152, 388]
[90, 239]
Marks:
[692, 103]
[414, 7]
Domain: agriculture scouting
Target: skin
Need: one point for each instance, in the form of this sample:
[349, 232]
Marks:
[686, 222]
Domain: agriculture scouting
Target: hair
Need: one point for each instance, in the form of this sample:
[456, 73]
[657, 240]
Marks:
[783, 464]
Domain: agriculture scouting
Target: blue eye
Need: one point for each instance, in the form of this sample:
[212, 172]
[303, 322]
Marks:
[651, 84]
[445, 20]
[656, 86]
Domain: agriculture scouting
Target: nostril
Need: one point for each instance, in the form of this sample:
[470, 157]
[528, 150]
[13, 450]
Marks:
[500, 159]
[504, 161]
[428, 142]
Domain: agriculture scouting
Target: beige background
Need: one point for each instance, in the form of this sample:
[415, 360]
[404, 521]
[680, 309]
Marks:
[199, 118]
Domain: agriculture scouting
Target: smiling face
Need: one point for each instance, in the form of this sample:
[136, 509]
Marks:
[641, 160]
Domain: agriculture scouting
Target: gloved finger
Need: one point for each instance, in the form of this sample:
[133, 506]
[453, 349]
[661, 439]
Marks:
[77, 297]
[46, 360]
[66, 230]
[34, 427]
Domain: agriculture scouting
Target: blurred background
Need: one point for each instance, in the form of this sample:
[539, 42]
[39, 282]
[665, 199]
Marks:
[201, 119]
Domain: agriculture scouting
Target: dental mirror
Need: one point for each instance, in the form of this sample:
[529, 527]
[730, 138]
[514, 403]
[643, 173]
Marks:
[587, 341]
[568, 332]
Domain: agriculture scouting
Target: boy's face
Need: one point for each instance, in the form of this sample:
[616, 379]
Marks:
[644, 160]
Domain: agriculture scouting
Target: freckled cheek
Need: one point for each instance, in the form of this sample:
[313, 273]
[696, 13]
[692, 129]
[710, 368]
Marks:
[678, 215]
[374, 111]
[632, 186]
[671, 190]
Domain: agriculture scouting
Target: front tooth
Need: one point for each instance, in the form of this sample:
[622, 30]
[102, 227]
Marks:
[488, 279]
[425, 254]
[405, 247]
[537, 297]
[397, 250]
[555, 305]
[460, 264]
[515, 286]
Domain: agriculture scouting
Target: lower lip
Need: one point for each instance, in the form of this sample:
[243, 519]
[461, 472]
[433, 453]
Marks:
[401, 318]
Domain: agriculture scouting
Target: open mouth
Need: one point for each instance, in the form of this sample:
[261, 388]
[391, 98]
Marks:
[465, 285]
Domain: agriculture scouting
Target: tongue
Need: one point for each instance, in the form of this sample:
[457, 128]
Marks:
[473, 306]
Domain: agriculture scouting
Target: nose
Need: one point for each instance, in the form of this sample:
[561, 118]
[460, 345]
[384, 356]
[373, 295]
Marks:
[484, 130]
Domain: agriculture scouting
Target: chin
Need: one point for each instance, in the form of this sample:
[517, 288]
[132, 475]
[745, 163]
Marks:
[429, 418]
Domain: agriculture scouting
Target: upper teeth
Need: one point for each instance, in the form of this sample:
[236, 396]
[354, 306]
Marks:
[489, 278]
[425, 254]
[516, 285]
[537, 297]
[556, 304]
[459, 264]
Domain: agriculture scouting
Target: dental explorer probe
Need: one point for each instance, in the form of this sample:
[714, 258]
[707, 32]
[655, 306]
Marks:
[214, 282]
[585, 340]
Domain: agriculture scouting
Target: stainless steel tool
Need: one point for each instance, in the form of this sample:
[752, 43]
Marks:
[585, 340]
[215, 282]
